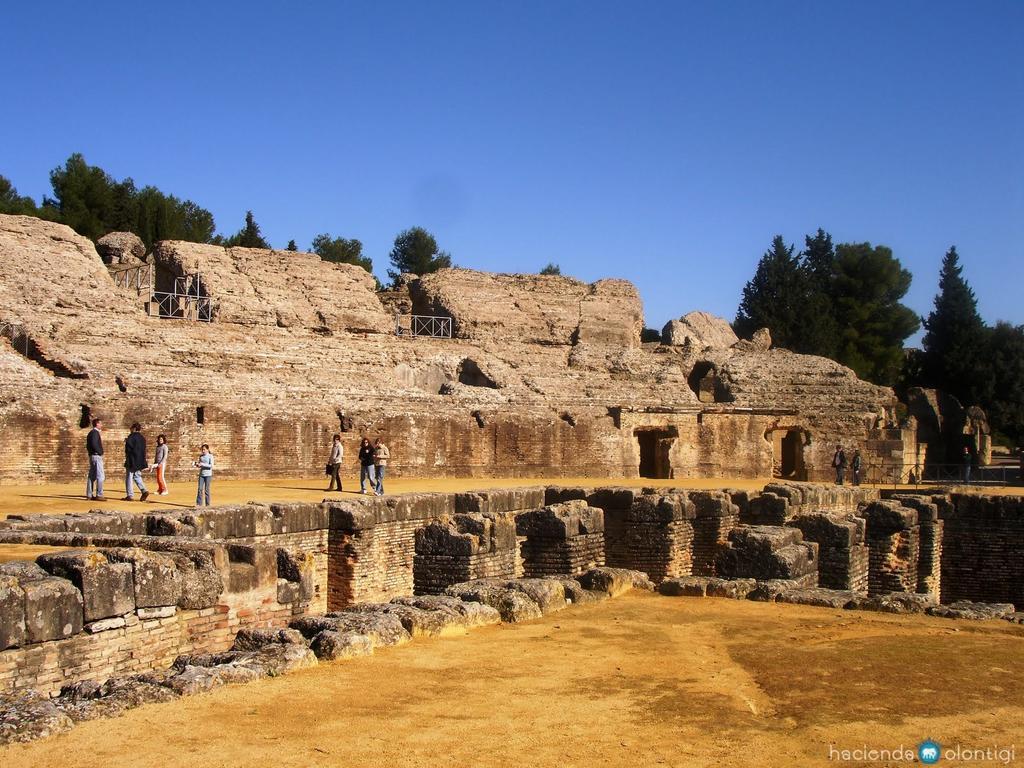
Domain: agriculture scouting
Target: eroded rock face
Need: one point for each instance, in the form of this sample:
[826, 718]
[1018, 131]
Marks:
[538, 309]
[121, 248]
[289, 289]
[704, 331]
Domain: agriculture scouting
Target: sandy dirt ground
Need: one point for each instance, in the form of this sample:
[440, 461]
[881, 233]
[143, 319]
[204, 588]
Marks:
[642, 680]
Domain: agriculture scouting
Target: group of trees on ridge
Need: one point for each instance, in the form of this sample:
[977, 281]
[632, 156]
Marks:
[843, 302]
[840, 301]
[93, 203]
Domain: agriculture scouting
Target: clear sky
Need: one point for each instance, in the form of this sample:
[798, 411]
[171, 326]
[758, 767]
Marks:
[661, 142]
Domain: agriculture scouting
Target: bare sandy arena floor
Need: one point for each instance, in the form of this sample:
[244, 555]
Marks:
[642, 680]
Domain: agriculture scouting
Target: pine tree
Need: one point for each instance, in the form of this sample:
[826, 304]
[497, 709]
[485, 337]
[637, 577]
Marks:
[13, 203]
[416, 251]
[292, 246]
[774, 297]
[551, 269]
[955, 333]
[341, 251]
[249, 236]
[868, 283]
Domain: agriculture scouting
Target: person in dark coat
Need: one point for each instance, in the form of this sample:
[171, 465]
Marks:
[839, 462]
[855, 467]
[94, 447]
[366, 471]
[134, 462]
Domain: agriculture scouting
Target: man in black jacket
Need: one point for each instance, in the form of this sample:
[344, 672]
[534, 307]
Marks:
[134, 463]
[94, 447]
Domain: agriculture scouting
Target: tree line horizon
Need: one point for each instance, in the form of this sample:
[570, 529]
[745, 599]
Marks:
[841, 301]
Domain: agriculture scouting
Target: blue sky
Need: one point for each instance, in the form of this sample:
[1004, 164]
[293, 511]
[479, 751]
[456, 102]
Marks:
[661, 142]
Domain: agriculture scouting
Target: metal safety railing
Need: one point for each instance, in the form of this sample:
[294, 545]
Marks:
[935, 474]
[17, 334]
[180, 306]
[423, 325]
[134, 277]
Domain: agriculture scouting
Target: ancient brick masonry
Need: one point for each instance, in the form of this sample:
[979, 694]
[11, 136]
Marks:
[930, 530]
[715, 516]
[842, 553]
[767, 552]
[981, 549]
[561, 539]
[893, 538]
[462, 548]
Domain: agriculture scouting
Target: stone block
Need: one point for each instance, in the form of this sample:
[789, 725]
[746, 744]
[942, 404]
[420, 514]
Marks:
[329, 645]
[615, 581]
[107, 588]
[298, 566]
[13, 629]
[53, 609]
[201, 580]
[29, 715]
[155, 575]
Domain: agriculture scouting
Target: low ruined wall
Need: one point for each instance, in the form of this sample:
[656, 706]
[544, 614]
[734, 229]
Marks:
[137, 590]
[982, 543]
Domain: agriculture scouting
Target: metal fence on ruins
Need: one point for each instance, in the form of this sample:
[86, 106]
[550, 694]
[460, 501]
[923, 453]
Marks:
[434, 326]
[133, 277]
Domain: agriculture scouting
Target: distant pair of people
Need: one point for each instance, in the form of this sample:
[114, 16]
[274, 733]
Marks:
[373, 463]
[839, 464]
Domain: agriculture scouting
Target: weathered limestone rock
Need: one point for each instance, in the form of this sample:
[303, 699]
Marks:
[707, 586]
[156, 578]
[895, 602]
[538, 309]
[767, 552]
[575, 593]
[330, 645]
[92, 701]
[107, 588]
[13, 629]
[257, 287]
[703, 330]
[383, 629]
[826, 598]
[965, 609]
[615, 581]
[513, 604]
[30, 715]
[53, 609]
[121, 248]
[467, 614]
[253, 639]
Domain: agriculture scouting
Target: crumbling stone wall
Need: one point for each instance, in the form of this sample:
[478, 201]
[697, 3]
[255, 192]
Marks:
[561, 539]
[981, 549]
[843, 556]
[893, 538]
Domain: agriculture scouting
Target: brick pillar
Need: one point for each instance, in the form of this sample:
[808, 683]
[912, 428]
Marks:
[561, 539]
[893, 537]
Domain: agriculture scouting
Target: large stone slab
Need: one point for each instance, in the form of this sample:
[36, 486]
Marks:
[107, 588]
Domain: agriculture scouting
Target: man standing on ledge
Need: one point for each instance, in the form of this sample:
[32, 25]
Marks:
[94, 447]
[134, 463]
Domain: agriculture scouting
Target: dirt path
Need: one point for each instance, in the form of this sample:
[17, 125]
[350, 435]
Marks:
[639, 681]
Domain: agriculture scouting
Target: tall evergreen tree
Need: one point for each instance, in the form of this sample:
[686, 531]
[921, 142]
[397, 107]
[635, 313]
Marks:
[13, 203]
[248, 236]
[89, 200]
[819, 332]
[551, 269]
[292, 246]
[953, 344]
[774, 297]
[341, 251]
[1002, 380]
[867, 286]
[416, 251]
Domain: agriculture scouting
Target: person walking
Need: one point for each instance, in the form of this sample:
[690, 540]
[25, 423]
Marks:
[967, 461]
[205, 466]
[160, 464]
[839, 462]
[94, 447]
[134, 463]
[381, 454]
[366, 466]
[855, 467]
[334, 464]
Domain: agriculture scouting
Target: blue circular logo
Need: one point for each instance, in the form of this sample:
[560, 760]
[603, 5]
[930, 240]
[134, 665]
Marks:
[928, 752]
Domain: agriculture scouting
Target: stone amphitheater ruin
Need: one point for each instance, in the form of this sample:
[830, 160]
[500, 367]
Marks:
[265, 354]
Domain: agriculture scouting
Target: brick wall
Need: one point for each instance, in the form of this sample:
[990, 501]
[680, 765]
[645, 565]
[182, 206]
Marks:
[982, 544]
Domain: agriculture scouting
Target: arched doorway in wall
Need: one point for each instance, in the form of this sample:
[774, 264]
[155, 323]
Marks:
[787, 452]
[655, 444]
